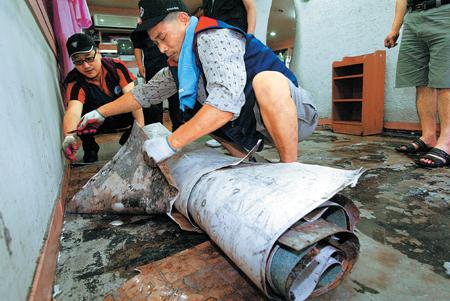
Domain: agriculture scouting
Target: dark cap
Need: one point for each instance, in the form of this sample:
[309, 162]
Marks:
[79, 43]
[154, 11]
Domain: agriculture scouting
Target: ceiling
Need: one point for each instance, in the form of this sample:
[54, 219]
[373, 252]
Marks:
[281, 19]
[282, 22]
[191, 4]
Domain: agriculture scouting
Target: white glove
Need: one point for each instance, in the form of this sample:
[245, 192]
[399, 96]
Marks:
[158, 149]
[70, 147]
[90, 122]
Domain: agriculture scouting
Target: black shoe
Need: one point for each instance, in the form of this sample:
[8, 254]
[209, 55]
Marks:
[90, 157]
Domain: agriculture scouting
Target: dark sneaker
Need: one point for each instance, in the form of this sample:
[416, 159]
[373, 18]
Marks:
[90, 157]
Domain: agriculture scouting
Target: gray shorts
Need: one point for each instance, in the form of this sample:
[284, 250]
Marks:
[307, 116]
[424, 56]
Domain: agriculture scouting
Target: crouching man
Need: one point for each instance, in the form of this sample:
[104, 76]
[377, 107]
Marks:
[229, 84]
[93, 82]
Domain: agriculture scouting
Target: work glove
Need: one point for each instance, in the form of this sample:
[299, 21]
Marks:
[90, 122]
[159, 149]
[70, 147]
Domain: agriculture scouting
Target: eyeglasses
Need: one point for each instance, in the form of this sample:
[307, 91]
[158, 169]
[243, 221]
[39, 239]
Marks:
[88, 59]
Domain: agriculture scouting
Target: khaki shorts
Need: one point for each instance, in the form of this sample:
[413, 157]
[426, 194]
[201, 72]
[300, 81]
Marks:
[307, 116]
[424, 56]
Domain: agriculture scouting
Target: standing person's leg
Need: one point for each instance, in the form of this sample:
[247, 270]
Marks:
[278, 112]
[436, 31]
[426, 103]
[176, 116]
[440, 155]
[412, 71]
[443, 96]
[443, 142]
[90, 148]
[153, 114]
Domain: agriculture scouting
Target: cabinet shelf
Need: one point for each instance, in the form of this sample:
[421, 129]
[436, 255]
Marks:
[347, 76]
[347, 111]
[358, 94]
[343, 69]
[347, 88]
[347, 100]
[348, 122]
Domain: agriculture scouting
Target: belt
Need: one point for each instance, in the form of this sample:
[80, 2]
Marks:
[429, 4]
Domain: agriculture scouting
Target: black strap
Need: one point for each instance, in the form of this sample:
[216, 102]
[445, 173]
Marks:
[424, 5]
[438, 157]
[420, 144]
[440, 153]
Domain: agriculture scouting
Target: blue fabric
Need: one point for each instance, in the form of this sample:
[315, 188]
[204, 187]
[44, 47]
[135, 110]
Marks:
[258, 58]
[188, 71]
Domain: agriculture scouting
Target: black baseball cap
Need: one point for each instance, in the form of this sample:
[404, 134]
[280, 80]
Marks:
[154, 11]
[79, 43]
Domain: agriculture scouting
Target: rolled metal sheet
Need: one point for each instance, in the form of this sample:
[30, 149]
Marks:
[247, 208]
[282, 224]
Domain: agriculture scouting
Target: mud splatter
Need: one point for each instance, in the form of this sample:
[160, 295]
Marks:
[6, 235]
[364, 288]
[96, 256]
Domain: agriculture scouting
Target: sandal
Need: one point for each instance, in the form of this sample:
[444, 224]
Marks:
[410, 149]
[438, 158]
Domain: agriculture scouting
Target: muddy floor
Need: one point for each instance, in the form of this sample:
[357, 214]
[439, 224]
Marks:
[404, 228]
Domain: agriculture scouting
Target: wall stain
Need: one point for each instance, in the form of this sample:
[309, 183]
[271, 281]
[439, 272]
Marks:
[6, 235]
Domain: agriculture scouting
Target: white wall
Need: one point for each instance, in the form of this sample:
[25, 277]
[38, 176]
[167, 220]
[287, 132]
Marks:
[30, 159]
[328, 30]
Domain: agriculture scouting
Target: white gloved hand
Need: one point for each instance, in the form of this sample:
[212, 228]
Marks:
[90, 122]
[70, 147]
[159, 149]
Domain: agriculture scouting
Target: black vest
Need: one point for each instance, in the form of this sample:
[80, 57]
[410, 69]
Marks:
[95, 97]
[232, 12]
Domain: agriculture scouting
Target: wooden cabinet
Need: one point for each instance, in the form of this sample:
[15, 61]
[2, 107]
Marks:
[358, 94]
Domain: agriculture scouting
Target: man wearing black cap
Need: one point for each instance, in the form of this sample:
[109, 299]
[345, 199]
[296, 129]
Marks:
[93, 82]
[229, 84]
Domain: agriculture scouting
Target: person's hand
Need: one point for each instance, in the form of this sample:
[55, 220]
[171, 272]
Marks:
[70, 147]
[142, 71]
[391, 39]
[90, 122]
[158, 149]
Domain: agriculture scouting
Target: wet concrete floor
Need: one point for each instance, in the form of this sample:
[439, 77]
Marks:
[404, 229]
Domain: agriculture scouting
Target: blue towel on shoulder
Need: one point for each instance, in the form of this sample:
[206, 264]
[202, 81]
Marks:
[188, 71]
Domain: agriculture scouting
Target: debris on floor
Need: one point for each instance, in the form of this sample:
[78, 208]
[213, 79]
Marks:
[199, 273]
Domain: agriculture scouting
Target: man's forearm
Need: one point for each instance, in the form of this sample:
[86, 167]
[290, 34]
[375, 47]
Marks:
[124, 104]
[70, 122]
[207, 120]
[139, 117]
[400, 12]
